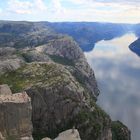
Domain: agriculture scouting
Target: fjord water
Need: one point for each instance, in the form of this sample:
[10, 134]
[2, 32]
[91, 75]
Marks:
[117, 71]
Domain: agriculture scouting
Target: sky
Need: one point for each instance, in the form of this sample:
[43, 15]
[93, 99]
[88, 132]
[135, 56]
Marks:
[118, 11]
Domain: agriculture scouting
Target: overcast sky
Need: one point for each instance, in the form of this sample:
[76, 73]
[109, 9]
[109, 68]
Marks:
[124, 11]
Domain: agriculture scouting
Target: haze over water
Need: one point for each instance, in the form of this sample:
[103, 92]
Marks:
[117, 71]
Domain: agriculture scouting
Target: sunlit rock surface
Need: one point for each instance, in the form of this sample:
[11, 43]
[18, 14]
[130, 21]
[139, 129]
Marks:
[15, 115]
[71, 134]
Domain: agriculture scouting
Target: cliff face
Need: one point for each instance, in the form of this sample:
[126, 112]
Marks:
[71, 134]
[60, 102]
[135, 47]
[53, 71]
[120, 131]
[9, 60]
[74, 60]
[15, 115]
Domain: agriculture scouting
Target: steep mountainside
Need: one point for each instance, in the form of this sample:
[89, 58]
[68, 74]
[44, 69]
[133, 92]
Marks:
[136, 29]
[15, 115]
[52, 69]
[21, 34]
[135, 47]
[88, 33]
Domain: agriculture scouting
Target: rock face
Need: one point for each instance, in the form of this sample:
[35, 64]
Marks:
[120, 131]
[71, 134]
[135, 47]
[5, 90]
[15, 116]
[88, 33]
[1, 137]
[9, 60]
[53, 71]
[74, 58]
[59, 101]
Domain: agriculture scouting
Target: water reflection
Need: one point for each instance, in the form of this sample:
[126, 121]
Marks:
[117, 70]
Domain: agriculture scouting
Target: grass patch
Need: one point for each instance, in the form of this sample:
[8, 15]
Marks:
[62, 60]
[31, 74]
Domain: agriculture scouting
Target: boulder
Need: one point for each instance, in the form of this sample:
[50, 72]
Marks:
[5, 90]
[71, 134]
[15, 116]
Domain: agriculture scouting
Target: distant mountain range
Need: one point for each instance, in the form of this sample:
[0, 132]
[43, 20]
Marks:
[32, 34]
[39, 59]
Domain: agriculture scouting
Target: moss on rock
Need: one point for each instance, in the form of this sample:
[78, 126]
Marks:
[119, 131]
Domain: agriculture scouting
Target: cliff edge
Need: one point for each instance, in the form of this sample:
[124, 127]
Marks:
[53, 71]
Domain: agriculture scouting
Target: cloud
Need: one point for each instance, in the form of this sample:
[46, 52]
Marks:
[57, 7]
[125, 2]
[19, 7]
[25, 7]
[0, 10]
[73, 10]
[128, 2]
[117, 72]
[40, 5]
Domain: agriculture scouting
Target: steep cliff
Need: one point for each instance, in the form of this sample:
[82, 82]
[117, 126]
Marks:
[52, 69]
[59, 101]
[71, 134]
[120, 131]
[15, 115]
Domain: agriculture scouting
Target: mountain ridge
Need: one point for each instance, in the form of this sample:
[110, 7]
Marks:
[54, 72]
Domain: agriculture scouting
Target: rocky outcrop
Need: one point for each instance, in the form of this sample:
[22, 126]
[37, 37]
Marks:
[120, 131]
[135, 47]
[15, 116]
[52, 69]
[1, 137]
[5, 90]
[9, 60]
[71, 134]
[59, 101]
[70, 53]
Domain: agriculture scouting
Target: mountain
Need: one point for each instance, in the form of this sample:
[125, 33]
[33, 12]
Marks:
[135, 47]
[89, 33]
[86, 34]
[15, 115]
[136, 29]
[51, 68]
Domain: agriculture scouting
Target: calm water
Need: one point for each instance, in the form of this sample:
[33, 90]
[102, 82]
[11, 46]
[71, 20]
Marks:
[117, 71]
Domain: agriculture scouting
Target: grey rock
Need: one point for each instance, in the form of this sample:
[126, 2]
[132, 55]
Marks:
[15, 117]
[9, 60]
[46, 138]
[5, 90]
[63, 95]
[1, 137]
[71, 134]
[69, 49]
[26, 138]
[10, 65]
[61, 102]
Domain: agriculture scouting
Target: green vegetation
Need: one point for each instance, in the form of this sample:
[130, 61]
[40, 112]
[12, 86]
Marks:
[92, 122]
[119, 131]
[15, 80]
[26, 76]
[61, 60]
[34, 73]
[11, 138]
[79, 77]
[89, 124]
